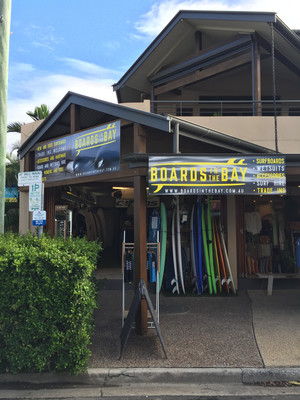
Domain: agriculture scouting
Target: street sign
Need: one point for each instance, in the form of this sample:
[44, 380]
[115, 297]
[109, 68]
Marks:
[28, 178]
[39, 218]
[35, 196]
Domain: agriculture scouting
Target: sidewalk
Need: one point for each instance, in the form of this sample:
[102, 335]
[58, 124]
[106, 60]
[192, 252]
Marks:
[247, 338]
[250, 330]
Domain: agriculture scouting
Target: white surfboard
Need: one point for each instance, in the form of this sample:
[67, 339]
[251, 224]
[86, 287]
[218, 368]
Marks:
[175, 280]
[229, 278]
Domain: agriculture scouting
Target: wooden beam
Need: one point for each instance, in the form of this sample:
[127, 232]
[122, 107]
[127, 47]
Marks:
[140, 248]
[204, 74]
[140, 229]
[139, 139]
[49, 206]
[74, 118]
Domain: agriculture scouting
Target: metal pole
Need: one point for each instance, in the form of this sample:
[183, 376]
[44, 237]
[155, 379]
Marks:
[5, 11]
[274, 87]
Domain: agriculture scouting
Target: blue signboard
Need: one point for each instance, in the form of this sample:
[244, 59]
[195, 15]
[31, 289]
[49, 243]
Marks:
[90, 152]
[11, 194]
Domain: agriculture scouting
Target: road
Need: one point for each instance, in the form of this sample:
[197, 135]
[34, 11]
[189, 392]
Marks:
[155, 392]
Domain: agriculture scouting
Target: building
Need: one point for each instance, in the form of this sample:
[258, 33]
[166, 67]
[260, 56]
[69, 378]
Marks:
[212, 84]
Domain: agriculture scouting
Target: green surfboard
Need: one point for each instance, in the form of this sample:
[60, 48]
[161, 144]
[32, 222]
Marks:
[206, 255]
[210, 247]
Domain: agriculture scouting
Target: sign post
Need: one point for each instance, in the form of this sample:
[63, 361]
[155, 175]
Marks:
[33, 179]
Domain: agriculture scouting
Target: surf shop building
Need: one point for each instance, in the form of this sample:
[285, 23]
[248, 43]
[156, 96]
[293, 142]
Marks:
[203, 127]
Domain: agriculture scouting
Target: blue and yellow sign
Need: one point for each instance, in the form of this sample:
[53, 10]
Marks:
[192, 175]
[90, 152]
[11, 194]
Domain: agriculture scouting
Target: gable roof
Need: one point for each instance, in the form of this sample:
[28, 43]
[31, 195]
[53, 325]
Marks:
[176, 40]
[95, 112]
[92, 112]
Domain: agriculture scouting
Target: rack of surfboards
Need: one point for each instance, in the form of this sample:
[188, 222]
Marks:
[210, 267]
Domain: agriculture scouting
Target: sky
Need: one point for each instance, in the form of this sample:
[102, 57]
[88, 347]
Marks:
[86, 46]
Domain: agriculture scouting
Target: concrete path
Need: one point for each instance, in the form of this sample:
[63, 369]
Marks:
[276, 321]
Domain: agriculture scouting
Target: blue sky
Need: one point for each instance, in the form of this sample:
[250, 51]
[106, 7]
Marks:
[85, 46]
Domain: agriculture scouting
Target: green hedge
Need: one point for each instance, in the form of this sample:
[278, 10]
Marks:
[47, 299]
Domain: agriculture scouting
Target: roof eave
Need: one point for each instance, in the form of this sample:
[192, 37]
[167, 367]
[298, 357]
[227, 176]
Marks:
[266, 17]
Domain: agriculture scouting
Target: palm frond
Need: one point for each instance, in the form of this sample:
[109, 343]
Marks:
[15, 127]
[39, 113]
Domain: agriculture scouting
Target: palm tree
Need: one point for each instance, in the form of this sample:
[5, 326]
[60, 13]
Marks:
[15, 127]
[12, 170]
[11, 221]
[39, 113]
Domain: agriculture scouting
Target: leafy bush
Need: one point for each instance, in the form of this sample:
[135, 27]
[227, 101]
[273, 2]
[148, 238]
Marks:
[47, 299]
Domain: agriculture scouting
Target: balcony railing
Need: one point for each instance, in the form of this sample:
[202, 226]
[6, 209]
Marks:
[227, 108]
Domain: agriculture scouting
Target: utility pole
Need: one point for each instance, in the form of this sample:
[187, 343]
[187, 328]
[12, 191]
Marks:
[5, 11]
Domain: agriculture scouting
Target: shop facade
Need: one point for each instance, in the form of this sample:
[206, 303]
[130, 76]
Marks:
[181, 98]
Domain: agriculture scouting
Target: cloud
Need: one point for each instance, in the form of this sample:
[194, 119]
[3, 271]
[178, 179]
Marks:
[42, 36]
[88, 68]
[42, 87]
[162, 12]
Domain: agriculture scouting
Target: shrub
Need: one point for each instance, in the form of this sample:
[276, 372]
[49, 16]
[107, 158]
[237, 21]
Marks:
[47, 299]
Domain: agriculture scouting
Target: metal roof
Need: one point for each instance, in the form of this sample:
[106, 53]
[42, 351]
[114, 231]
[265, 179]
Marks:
[94, 111]
[176, 41]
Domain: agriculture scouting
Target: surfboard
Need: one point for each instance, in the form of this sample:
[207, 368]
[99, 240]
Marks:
[210, 247]
[175, 279]
[199, 247]
[163, 242]
[206, 255]
[227, 263]
[221, 258]
[178, 238]
[192, 233]
[216, 258]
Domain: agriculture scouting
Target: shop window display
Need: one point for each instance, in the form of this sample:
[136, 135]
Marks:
[272, 230]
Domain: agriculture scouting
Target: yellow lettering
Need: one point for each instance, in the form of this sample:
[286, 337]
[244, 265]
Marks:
[163, 174]
[173, 176]
[183, 176]
[203, 174]
[224, 174]
[234, 176]
[243, 172]
[193, 174]
[153, 174]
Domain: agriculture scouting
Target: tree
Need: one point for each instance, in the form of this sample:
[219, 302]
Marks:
[12, 170]
[39, 113]
[15, 127]
[11, 218]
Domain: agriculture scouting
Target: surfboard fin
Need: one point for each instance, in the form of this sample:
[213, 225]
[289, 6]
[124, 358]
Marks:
[176, 288]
